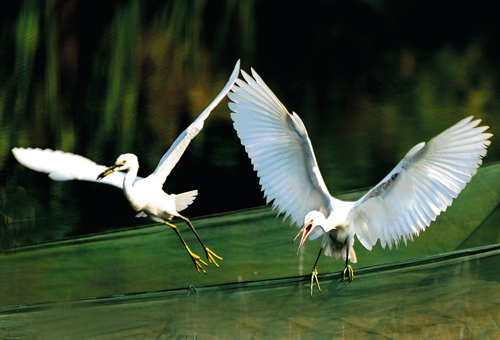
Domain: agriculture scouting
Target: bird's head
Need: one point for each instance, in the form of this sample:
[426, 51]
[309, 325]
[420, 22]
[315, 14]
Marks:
[123, 162]
[312, 220]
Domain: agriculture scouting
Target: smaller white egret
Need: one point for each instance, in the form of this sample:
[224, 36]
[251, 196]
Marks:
[404, 203]
[144, 194]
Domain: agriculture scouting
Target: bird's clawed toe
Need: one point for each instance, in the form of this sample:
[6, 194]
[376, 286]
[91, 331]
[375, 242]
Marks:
[314, 277]
[210, 258]
[350, 273]
[196, 260]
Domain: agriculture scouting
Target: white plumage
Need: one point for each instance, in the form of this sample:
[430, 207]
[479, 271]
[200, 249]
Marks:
[404, 203]
[144, 194]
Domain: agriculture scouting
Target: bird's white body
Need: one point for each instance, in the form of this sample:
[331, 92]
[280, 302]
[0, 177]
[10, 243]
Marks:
[165, 209]
[337, 232]
[338, 235]
[144, 194]
[404, 203]
[147, 196]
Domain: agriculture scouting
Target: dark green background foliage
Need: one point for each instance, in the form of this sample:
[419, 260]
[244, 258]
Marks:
[370, 79]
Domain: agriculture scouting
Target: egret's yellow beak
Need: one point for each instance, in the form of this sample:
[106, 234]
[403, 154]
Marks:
[110, 170]
[305, 231]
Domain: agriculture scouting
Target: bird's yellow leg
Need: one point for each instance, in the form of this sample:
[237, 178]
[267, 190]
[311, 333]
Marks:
[195, 258]
[314, 273]
[210, 254]
[348, 268]
[314, 276]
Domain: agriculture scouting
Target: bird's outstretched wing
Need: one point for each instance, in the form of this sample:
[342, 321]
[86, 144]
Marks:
[65, 166]
[421, 186]
[174, 153]
[279, 149]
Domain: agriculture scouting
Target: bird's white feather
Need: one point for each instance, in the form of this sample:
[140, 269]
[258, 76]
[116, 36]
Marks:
[421, 186]
[279, 149]
[183, 200]
[176, 150]
[65, 166]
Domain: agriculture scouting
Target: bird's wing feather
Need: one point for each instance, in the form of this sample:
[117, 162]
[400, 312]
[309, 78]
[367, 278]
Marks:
[176, 150]
[279, 149]
[65, 166]
[421, 186]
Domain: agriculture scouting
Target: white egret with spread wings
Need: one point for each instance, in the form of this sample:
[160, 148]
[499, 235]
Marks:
[402, 205]
[144, 194]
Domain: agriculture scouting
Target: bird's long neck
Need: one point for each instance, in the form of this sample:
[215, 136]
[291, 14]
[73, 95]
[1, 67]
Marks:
[339, 211]
[129, 179]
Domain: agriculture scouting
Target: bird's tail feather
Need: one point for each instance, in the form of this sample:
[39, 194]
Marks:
[183, 200]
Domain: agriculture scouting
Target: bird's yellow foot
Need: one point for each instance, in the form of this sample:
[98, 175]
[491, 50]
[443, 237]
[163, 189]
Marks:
[197, 264]
[350, 272]
[314, 276]
[210, 258]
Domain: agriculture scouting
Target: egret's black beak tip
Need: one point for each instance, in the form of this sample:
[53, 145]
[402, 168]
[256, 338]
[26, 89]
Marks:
[305, 231]
[300, 232]
[108, 171]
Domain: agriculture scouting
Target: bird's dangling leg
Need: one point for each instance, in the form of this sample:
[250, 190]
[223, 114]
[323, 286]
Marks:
[208, 252]
[348, 268]
[193, 256]
[314, 274]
